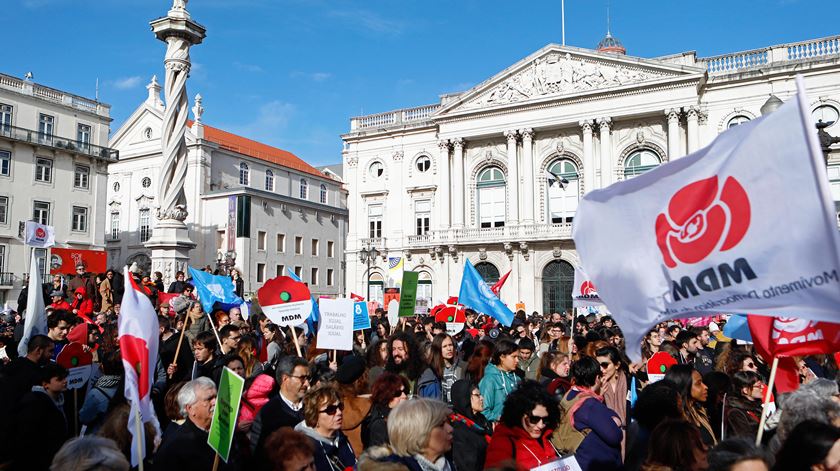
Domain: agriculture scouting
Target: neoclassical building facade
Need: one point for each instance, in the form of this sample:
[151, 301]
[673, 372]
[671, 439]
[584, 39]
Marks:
[475, 176]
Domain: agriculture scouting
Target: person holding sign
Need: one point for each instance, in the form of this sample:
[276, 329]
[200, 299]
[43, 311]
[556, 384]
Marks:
[323, 418]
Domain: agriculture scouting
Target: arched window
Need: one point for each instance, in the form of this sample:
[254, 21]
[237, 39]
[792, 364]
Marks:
[558, 279]
[424, 287]
[376, 285]
[323, 199]
[563, 191]
[491, 197]
[489, 273]
[640, 162]
[244, 174]
[376, 169]
[269, 180]
[736, 120]
[304, 189]
[825, 113]
[423, 163]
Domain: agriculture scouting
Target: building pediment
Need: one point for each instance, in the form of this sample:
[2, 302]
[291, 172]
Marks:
[560, 72]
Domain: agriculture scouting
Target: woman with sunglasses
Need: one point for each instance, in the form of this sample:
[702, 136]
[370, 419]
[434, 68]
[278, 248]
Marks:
[323, 414]
[742, 412]
[388, 391]
[522, 435]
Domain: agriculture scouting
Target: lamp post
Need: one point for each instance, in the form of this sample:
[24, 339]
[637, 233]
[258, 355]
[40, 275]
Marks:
[225, 261]
[368, 254]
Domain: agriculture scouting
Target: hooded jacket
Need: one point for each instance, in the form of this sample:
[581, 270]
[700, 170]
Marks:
[84, 306]
[255, 398]
[742, 416]
[511, 445]
[471, 431]
[495, 387]
[330, 454]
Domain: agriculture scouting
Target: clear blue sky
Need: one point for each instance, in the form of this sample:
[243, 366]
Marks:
[292, 72]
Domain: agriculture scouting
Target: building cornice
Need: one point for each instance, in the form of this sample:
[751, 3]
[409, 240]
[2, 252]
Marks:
[223, 193]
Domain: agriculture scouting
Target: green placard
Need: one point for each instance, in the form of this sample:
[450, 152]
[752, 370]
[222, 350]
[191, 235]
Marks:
[227, 410]
[408, 296]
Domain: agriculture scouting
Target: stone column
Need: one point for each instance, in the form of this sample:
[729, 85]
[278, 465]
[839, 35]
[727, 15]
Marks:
[513, 179]
[588, 157]
[458, 183]
[606, 152]
[674, 151]
[528, 174]
[444, 186]
[170, 242]
[692, 123]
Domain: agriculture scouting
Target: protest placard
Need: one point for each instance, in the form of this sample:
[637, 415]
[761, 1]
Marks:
[227, 410]
[409, 293]
[335, 331]
[390, 294]
[361, 316]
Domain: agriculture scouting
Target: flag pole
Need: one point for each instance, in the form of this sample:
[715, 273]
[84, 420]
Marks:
[766, 401]
[213, 326]
[295, 339]
[138, 425]
[216, 462]
[180, 341]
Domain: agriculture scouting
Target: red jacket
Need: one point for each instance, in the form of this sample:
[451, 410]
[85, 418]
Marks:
[60, 305]
[516, 445]
[84, 306]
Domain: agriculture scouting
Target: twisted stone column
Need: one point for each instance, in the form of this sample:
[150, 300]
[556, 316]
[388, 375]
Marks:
[171, 199]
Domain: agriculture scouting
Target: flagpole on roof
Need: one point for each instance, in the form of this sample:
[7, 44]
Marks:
[563, 21]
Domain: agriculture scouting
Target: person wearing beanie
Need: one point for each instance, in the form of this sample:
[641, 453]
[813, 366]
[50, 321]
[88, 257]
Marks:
[352, 381]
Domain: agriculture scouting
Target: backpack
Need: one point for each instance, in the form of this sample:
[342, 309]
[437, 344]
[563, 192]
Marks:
[566, 438]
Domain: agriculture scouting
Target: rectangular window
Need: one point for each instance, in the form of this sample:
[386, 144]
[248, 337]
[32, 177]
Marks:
[115, 226]
[422, 216]
[313, 279]
[315, 247]
[375, 221]
[43, 170]
[81, 177]
[299, 245]
[330, 249]
[80, 216]
[261, 273]
[46, 124]
[491, 206]
[2, 258]
[261, 239]
[5, 118]
[281, 243]
[330, 277]
[281, 270]
[4, 209]
[83, 136]
[298, 271]
[5, 163]
[41, 212]
[145, 225]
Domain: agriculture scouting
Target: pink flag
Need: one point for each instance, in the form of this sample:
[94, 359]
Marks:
[138, 329]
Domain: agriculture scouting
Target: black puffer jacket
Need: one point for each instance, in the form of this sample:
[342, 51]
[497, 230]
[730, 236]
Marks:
[471, 432]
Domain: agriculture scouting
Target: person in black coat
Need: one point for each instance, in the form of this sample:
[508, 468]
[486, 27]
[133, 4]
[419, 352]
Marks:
[471, 430]
[185, 448]
[40, 426]
[179, 284]
[387, 392]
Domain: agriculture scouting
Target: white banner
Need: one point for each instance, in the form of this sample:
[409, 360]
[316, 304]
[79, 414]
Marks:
[745, 225]
[584, 292]
[335, 328]
[38, 235]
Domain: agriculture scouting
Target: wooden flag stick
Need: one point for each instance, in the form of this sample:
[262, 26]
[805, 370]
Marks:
[180, 341]
[138, 438]
[295, 339]
[335, 356]
[216, 462]
[75, 411]
[766, 401]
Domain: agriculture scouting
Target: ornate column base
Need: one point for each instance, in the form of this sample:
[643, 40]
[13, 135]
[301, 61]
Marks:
[170, 245]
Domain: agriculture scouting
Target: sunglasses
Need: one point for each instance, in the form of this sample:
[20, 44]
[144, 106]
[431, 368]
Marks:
[333, 408]
[604, 365]
[535, 419]
[400, 393]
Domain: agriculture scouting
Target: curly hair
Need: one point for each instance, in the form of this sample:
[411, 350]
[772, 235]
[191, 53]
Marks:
[524, 399]
[415, 361]
[285, 444]
[316, 398]
[388, 386]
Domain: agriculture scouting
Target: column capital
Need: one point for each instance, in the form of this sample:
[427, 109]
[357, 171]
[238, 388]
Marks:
[673, 114]
[510, 134]
[527, 134]
[692, 113]
[604, 123]
[443, 144]
[586, 125]
[458, 143]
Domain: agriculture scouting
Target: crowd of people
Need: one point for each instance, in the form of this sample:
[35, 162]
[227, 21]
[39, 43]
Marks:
[408, 396]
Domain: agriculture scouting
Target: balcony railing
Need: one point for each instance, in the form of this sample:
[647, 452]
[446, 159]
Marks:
[521, 233]
[57, 96]
[6, 278]
[48, 140]
[745, 60]
[393, 118]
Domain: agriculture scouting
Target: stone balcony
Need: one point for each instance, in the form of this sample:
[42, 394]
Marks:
[773, 55]
[477, 235]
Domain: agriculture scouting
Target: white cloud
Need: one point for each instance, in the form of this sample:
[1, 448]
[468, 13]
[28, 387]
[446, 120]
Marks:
[370, 21]
[127, 83]
[314, 76]
[271, 119]
[253, 68]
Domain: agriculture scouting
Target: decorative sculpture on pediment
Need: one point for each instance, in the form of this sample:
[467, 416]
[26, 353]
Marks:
[482, 254]
[552, 75]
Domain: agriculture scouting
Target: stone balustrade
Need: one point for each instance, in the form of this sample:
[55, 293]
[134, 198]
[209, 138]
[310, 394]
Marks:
[417, 114]
[529, 232]
[50, 94]
[745, 60]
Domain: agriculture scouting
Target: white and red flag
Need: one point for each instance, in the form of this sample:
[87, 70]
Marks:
[584, 292]
[138, 329]
[497, 286]
[356, 297]
[745, 225]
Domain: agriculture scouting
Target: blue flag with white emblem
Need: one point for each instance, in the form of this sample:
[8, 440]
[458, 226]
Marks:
[212, 288]
[475, 294]
[316, 314]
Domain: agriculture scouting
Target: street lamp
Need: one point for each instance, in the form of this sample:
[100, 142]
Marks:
[368, 254]
[225, 261]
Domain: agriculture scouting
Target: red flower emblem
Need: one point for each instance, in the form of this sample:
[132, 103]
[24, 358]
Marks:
[135, 352]
[587, 288]
[40, 233]
[702, 218]
[282, 290]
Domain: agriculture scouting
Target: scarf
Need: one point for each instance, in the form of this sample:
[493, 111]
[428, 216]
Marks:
[107, 381]
[440, 465]
[470, 424]
[617, 399]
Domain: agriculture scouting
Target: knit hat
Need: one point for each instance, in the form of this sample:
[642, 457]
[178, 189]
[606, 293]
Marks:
[351, 369]
[179, 304]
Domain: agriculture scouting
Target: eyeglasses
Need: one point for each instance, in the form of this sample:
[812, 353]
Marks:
[302, 378]
[535, 419]
[332, 409]
[476, 395]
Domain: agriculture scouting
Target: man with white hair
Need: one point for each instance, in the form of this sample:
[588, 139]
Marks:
[185, 448]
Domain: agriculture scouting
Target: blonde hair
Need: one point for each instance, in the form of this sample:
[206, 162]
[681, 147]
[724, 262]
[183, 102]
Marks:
[90, 452]
[410, 424]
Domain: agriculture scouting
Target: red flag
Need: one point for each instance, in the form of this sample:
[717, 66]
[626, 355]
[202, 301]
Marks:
[498, 286]
[356, 298]
[785, 337]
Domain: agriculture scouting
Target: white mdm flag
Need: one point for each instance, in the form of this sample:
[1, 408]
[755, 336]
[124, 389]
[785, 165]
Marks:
[584, 292]
[745, 225]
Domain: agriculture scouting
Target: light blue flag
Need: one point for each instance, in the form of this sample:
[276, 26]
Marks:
[475, 294]
[213, 288]
[316, 314]
[737, 328]
[634, 394]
